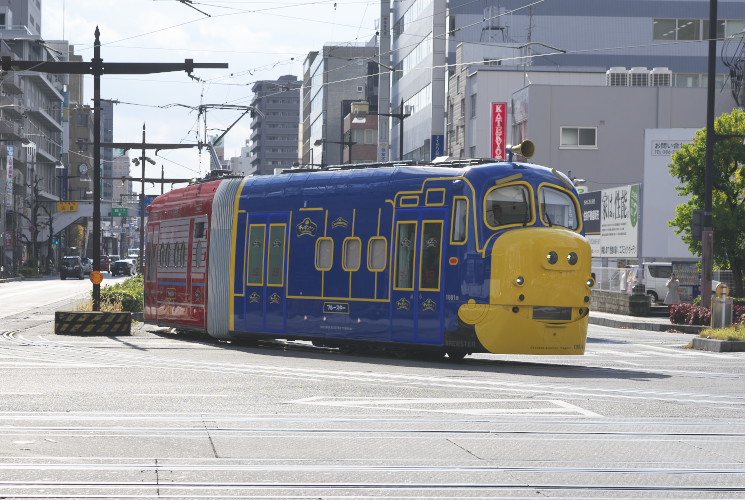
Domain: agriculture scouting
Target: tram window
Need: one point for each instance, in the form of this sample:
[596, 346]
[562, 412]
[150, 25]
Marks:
[198, 255]
[507, 205]
[168, 255]
[377, 251]
[162, 256]
[558, 208]
[199, 230]
[324, 254]
[352, 255]
[459, 228]
[256, 243]
[276, 255]
[429, 274]
[405, 248]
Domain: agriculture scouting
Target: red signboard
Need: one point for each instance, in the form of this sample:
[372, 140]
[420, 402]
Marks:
[498, 129]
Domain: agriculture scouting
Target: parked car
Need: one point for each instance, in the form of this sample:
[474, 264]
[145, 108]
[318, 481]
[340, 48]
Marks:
[124, 267]
[87, 265]
[72, 267]
[105, 263]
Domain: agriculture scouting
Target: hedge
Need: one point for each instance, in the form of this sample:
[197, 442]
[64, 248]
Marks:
[691, 314]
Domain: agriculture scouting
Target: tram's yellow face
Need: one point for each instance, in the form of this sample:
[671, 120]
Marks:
[539, 294]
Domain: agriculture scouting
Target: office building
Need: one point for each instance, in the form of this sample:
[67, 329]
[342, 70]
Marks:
[620, 34]
[274, 124]
[334, 78]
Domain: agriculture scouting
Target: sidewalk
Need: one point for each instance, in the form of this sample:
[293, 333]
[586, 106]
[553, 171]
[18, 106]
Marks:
[656, 324]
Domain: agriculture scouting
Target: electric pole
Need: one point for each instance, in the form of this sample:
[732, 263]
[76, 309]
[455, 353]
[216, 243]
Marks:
[97, 68]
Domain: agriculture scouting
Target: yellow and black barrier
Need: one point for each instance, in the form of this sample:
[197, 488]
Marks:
[92, 323]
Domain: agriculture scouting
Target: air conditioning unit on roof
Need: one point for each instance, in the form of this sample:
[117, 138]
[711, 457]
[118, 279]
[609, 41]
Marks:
[638, 77]
[616, 77]
[660, 77]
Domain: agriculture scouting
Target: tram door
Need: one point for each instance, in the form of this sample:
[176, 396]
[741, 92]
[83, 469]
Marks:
[266, 263]
[417, 295]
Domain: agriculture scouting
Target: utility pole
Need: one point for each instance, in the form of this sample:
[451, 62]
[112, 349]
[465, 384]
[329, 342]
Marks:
[97, 68]
[707, 233]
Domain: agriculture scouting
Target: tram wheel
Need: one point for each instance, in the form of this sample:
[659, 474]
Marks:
[456, 354]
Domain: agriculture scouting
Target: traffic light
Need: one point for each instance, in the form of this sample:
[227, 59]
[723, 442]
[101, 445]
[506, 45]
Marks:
[698, 224]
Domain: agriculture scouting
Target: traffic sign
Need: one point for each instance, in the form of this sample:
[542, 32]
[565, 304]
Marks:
[96, 277]
[119, 211]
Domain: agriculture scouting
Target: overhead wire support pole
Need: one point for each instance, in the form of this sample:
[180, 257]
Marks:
[97, 68]
[707, 233]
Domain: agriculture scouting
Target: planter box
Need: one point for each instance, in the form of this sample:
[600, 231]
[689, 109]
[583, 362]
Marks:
[92, 323]
[715, 345]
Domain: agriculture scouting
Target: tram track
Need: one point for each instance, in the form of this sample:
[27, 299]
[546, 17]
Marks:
[165, 454]
[74, 353]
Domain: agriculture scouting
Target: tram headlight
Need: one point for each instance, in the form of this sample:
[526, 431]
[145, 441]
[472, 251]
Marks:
[572, 258]
[552, 257]
[590, 282]
[520, 281]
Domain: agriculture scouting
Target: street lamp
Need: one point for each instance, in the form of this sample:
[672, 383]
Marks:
[362, 108]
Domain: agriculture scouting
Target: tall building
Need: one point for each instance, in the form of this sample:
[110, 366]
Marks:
[274, 127]
[334, 78]
[31, 132]
[624, 34]
[21, 14]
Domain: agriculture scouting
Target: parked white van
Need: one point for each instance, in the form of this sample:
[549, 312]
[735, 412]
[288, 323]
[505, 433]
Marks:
[654, 276]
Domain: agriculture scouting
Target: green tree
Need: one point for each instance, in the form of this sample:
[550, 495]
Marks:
[728, 195]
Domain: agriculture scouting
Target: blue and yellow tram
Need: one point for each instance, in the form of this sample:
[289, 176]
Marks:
[456, 257]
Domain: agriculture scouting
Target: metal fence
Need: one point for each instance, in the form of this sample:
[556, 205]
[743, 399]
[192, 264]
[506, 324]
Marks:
[622, 280]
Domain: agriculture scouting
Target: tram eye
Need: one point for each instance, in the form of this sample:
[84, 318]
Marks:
[590, 283]
[572, 258]
[520, 280]
[552, 257]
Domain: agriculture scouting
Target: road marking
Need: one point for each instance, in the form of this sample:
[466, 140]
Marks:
[477, 406]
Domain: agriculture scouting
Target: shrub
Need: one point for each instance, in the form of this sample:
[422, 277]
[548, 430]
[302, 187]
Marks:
[691, 314]
[130, 294]
[28, 272]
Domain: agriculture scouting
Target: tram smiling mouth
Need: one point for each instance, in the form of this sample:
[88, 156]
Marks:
[552, 313]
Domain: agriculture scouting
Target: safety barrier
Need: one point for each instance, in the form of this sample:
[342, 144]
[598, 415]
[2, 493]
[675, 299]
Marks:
[92, 323]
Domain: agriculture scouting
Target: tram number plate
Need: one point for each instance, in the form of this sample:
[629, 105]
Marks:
[336, 307]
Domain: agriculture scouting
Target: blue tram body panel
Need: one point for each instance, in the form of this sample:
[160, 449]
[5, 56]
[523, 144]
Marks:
[438, 257]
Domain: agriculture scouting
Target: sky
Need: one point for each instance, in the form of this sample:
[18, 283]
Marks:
[260, 40]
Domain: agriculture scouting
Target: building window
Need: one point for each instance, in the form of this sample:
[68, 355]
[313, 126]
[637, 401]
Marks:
[578, 137]
[473, 106]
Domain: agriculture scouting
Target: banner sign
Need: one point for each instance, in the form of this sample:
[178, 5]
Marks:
[9, 184]
[498, 129]
[437, 146]
[67, 206]
[619, 222]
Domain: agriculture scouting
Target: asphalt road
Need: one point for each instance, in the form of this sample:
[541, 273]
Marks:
[158, 414]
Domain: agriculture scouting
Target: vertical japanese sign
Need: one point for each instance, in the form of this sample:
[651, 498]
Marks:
[591, 208]
[9, 184]
[619, 222]
[498, 129]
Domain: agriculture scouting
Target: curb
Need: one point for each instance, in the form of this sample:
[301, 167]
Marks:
[642, 325]
[715, 345]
